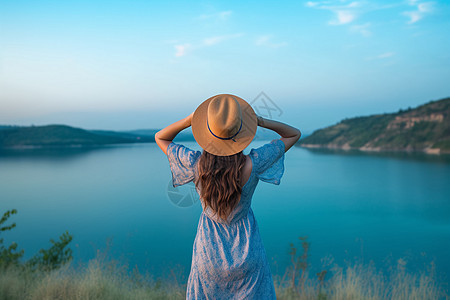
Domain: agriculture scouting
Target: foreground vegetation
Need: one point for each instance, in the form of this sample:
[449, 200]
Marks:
[356, 281]
[108, 280]
[52, 275]
[98, 280]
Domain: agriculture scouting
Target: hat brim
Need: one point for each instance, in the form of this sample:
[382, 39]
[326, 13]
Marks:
[217, 146]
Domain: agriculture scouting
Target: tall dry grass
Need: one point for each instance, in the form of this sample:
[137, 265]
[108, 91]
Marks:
[98, 280]
[359, 281]
[107, 279]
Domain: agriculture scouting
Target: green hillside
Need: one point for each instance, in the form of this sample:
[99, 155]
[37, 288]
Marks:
[184, 136]
[425, 128]
[61, 135]
[130, 136]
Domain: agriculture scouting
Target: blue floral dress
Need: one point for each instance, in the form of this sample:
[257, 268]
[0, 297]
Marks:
[229, 260]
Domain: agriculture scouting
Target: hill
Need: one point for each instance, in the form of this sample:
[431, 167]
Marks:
[425, 128]
[62, 135]
[184, 136]
[129, 136]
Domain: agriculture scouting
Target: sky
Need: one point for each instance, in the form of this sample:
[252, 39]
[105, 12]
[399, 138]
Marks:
[125, 65]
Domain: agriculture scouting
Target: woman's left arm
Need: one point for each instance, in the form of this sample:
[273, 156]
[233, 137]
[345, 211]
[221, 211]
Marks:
[165, 136]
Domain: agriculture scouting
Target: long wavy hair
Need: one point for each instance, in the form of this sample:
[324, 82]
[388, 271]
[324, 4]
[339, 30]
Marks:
[219, 182]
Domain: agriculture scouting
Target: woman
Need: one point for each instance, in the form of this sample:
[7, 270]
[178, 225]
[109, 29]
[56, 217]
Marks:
[228, 259]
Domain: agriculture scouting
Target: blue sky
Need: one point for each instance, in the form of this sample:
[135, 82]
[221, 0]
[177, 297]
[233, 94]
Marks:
[145, 64]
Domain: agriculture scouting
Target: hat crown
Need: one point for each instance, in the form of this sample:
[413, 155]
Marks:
[224, 116]
[224, 124]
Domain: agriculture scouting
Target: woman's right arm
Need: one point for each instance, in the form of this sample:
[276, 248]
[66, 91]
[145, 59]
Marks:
[289, 135]
[164, 137]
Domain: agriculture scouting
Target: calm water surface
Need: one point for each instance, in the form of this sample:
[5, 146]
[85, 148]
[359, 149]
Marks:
[352, 206]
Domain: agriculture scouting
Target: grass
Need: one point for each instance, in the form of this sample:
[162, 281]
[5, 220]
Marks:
[107, 279]
[355, 281]
[98, 280]
[53, 276]
[365, 282]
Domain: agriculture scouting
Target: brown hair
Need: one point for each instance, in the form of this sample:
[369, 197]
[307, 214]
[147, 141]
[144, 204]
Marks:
[220, 181]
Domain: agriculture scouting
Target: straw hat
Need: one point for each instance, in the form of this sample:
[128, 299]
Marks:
[224, 124]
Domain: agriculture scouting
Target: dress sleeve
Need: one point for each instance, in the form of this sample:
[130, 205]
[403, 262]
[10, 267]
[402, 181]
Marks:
[268, 161]
[182, 163]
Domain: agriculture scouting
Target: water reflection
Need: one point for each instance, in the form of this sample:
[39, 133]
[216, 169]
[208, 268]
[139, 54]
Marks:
[415, 156]
[388, 200]
[58, 153]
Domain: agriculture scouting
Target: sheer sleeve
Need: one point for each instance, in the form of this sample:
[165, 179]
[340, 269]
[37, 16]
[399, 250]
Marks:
[268, 161]
[182, 163]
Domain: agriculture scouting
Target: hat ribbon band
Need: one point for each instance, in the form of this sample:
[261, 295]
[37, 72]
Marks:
[222, 138]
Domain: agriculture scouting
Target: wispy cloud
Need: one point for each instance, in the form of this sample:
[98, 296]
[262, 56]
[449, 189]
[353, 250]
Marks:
[181, 50]
[421, 9]
[343, 17]
[220, 38]
[266, 41]
[385, 55]
[311, 4]
[184, 49]
[381, 56]
[223, 15]
[362, 29]
[347, 12]
[343, 13]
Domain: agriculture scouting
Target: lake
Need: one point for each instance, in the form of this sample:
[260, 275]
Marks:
[352, 206]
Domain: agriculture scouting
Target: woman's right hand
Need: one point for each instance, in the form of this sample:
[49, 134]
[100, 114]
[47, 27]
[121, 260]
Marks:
[165, 136]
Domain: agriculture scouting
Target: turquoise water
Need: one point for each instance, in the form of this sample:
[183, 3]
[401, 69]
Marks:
[352, 206]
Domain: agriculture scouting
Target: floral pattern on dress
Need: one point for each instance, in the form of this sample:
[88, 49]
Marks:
[228, 258]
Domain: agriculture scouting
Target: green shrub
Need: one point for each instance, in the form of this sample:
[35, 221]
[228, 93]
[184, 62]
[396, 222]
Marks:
[46, 260]
[8, 255]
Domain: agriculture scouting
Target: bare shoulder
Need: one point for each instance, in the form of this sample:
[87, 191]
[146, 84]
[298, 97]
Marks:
[248, 162]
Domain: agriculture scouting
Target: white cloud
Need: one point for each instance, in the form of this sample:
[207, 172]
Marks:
[347, 12]
[223, 15]
[262, 40]
[385, 55]
[181, 50]
[414, 16]
[265, 41]
[343, 17]
[213, 40]
[311, 4]
[344, 13]
[220, 38]
[362, 29]
[422, 9]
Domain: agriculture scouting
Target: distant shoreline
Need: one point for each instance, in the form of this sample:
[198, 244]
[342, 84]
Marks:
[424, 129]
[375, 149]
[64, 136]
[71, 146]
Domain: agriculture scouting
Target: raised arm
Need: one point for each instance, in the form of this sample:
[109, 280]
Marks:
[165, 136]
[289, 135]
